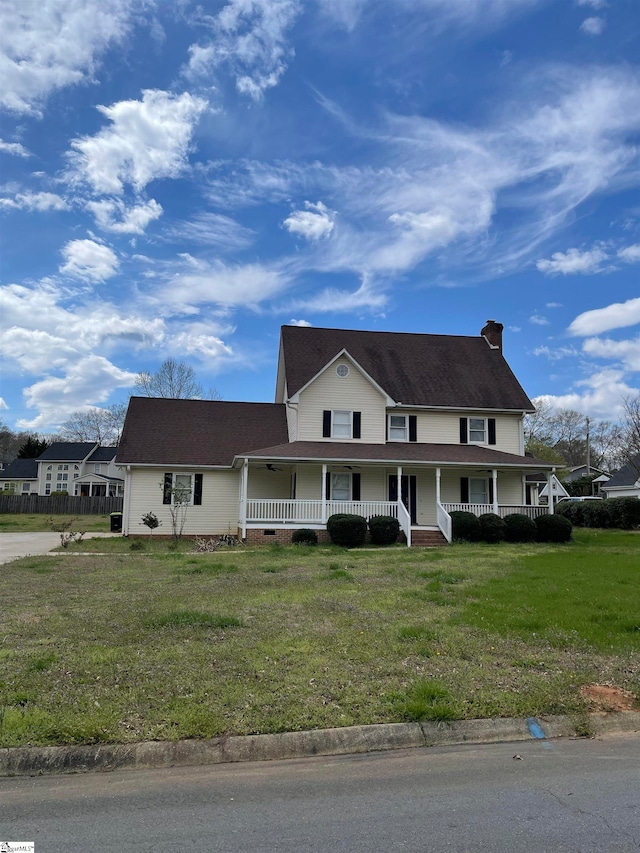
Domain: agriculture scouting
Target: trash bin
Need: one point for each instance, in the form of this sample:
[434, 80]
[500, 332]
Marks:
[116, 522]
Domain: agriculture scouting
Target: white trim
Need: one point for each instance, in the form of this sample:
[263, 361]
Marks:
[404, 415]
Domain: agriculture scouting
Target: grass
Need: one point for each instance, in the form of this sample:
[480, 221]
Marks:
[160, 644]
[39, 523]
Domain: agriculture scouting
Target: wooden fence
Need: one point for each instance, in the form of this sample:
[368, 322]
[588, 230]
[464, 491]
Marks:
[59, 505]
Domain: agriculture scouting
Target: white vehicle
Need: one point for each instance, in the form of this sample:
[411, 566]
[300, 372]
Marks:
[581, 498]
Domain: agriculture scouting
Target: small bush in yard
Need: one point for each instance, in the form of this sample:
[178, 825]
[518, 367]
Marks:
[347, 530]
[491, 527]
[624, 513]
[519, 528]
[596, 514]
[305, 536]
[465, 525]
[384, 529]
[553, 528]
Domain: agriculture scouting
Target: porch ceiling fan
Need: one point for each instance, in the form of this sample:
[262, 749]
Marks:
[268, 467]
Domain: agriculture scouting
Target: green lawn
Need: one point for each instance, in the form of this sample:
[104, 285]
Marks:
[160, 644]
[36, 523]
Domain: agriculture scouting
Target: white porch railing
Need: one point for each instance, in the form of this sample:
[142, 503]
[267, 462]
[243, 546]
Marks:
[480, 509]
[275, 511]
[444, 521]
[405, 521]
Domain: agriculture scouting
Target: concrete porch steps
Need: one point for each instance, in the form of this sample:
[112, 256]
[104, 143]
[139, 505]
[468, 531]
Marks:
[427, 538]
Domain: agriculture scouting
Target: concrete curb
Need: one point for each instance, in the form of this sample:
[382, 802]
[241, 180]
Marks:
[37, 761]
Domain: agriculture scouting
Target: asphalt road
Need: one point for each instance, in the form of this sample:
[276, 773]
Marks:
[557, 797]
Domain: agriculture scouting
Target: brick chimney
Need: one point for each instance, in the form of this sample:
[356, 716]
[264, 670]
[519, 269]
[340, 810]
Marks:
[493, 333]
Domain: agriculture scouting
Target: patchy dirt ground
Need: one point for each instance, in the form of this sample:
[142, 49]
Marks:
[603, 697]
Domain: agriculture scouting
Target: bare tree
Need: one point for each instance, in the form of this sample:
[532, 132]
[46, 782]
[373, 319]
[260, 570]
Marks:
[103, 426]
[174, 379]
[631, 426]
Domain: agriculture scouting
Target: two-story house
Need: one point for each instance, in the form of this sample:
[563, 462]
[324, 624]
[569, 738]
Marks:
[374, 423]
[79, 468]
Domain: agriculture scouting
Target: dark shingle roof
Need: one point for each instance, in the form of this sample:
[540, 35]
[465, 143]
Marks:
[67, 451]
[103, 454]
[197, 432]
[628, 475]
[414, 369]
[20, 469]
[395, 451]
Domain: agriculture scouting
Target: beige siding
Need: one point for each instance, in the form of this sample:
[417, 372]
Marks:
[269, 484]
[309, 483]
[351, 393]
[444, 428]
[292, 421]
[218, 513]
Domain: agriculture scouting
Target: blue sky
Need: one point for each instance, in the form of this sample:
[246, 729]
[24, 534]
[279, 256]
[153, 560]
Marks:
[180, 179]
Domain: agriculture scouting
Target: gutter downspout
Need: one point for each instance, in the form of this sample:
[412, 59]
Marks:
[243, 497]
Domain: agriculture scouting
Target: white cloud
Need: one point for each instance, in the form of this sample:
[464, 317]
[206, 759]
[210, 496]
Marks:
[556, 353]
[86, 259]
[593, 26]
[603, 397]
[553, 305]
[334, 301]
[211, 229]
[619, 315]
[573, 261]
[315, 222]
[631, 254]
[627, 352]
[146, 140]
[50, 44]
[13, 148]
[3, 405]
[594, 4]
[40, 202]
[304, 323]
[250, 37]
[538, 320]
[113, 215]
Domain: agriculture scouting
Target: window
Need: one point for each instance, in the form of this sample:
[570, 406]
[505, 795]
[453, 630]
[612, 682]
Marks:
[402, 428]
[343, 486]
[341, 424]
[342, 370]
[59, 477]
[97, 468]
[48, 476]
[10, 487]
[26, 487]
[66, 468]
[478, 490]
[182, 488]
[47, 489]
[59, 467]
[477, 430]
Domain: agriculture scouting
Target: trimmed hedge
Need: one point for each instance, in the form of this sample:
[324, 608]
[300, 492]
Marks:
[465, 526]
[384, 529]
[624, 512]
[553, 528]
[519, 528]
[620, 513]
[347, 530]
[304, 536]
[491, 527]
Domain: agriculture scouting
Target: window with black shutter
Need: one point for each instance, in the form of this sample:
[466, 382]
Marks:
[167, 488]
[413, 428]
[197, 490]
[357, 424]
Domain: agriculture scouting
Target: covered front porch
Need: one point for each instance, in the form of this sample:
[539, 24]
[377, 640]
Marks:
[281, 495]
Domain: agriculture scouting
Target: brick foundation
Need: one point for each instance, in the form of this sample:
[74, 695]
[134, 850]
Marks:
[281, 535]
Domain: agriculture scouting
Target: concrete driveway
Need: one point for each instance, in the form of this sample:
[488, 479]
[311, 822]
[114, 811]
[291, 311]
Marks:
[16, 545]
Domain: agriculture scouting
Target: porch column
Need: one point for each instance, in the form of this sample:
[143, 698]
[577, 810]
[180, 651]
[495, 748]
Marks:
[324, 493]
[494, 477]
[243, 497]
[550, 489]
[437, 486]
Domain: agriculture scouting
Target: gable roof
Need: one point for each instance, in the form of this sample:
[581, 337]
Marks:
[628, 475]
[103, 454]
[20, 469]
[451, 371]
[68, 451]
[160, 431]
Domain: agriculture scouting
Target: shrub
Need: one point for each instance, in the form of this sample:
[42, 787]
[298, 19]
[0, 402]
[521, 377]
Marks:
[519, 528]
[305, 536]
[350, 531]
[596, 514]
[491, 527]
[573, 510]
[624, 513]
[465, 525]
[553, 528]
[384, 529]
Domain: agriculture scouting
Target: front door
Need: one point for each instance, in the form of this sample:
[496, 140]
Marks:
[409, 492]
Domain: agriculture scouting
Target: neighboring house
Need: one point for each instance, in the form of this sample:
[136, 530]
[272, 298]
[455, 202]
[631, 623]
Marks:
[79, 468]
[20, 477]
[626, 482]
[373, 423]
[537, 489]
[580, 471]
